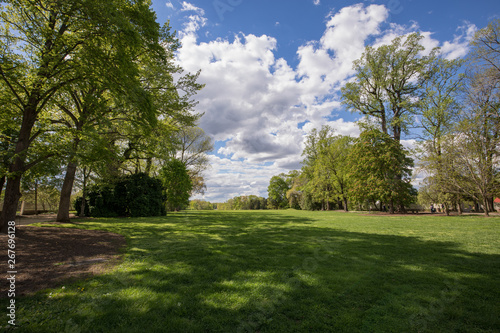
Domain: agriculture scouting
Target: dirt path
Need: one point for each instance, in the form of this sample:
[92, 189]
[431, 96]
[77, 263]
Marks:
[29, 219]
[48, 257]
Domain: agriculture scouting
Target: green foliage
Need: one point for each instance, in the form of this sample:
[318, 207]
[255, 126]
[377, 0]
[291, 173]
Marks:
[134, 195]
[200, 205]
[177, 185]
[86, 82]
[277, 189]
[251, 202]
[78, 207]
[380, 170]
[388, 81]
[324, 180]
[192, 146]
[144, 195]
[103, 202]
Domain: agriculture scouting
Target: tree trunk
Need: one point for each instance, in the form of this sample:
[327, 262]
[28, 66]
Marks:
[391, 207]
[384, 123]
[149, 163]
[491, 204]
[345, 205]
[18, 167]
[459, 208]
[485, 203]
[67, 188]
[84, 190]
[2, 183]
[11, 200]
[447, 209]
[12, 191]
[36, 197]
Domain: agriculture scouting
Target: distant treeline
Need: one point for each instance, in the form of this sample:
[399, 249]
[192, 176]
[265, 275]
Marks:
[244, 202]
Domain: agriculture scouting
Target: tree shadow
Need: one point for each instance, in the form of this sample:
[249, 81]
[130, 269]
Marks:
[227, 272]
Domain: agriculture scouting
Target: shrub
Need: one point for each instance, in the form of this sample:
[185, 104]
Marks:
[135, 195]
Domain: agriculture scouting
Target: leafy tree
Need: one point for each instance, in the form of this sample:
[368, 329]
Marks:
[332, 168]
[480, 119]
[44, 45]
[387, 83]
[380, 170]
[177, 184]
[316, 187]
[295, 194]
[439, 110]
[277, 190]
[485, 53]
[325, 175]
[192, 145]
[200, 205]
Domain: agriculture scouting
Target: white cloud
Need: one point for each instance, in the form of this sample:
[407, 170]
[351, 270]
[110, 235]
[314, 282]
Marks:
[186, 6]
[325, 64]
[262, 108]
[229, 178]
[169, 5]
[316, 2]
[460, 44]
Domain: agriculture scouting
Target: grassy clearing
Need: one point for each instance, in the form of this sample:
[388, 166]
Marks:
[285, 271]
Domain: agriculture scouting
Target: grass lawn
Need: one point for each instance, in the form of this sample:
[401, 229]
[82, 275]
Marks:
[285, 271]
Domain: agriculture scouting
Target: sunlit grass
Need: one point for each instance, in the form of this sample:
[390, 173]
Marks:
[284, 271]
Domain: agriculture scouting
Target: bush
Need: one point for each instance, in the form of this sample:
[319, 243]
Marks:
[78, 206]
[135, 195]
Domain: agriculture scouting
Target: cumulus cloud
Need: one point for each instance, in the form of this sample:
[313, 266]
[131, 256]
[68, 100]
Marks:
[229, 178]
[195, 21]
[263, 109]
[186, 6]
[460, 44]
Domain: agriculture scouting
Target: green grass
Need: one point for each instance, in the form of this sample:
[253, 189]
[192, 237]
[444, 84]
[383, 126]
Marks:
[285, 271]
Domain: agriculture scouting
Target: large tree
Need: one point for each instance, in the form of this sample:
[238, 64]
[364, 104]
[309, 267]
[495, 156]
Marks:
[43, 44]
[102, 107]
[332, 165]
[387, 83]
[277, 189]
[192, 146]
[177, 185]
[380, 170]
[316, 186]
[481, 117]
[439, 110]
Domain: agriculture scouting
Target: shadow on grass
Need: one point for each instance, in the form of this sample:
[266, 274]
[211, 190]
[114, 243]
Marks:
[273, 272]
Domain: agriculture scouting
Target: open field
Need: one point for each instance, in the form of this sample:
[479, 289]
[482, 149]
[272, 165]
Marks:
[284, 271]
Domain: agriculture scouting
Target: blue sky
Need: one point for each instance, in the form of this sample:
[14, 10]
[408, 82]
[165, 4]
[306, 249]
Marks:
[273, 70]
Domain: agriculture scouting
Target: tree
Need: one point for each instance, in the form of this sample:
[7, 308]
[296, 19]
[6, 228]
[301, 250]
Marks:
[387, 83]
[324, 170]
[91, 109]
[480, 119]
[439, 110]
[485, 52]
[277, 190]
[43, 44]
[331, 163]
[380, 170]
[295, 194]
[192, 145]
[316, 186]
[177, 184]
